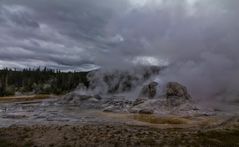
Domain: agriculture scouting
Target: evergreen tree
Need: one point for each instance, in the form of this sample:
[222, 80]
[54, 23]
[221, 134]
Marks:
[39, 81]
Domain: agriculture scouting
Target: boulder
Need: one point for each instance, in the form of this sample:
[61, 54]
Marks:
[175, 89]
[177, 94]
[149, 90]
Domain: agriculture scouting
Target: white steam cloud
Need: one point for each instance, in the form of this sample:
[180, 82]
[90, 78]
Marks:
[199, 40]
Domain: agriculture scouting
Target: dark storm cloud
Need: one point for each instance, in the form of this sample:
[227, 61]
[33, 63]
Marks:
[197, 38]
[64, 33]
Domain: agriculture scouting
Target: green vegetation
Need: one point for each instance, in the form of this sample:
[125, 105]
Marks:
[39, 81]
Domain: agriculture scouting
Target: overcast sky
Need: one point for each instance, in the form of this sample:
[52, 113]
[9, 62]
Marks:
[199, 39]
[66, 34]
[57, 33]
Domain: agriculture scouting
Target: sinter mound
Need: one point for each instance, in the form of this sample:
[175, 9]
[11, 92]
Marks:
[174, 99]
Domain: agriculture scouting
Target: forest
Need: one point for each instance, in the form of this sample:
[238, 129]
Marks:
[39, 81]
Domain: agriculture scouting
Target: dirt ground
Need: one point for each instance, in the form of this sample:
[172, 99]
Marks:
[118, 130]
[116, 135]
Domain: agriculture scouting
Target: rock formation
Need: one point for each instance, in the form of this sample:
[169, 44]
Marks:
[177, 94]
[149, 90]
[85, 101]
[117, 104]
[176, 99]
[175, 89]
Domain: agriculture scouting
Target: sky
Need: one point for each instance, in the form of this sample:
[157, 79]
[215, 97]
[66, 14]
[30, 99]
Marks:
[197, 39]
[75, 33]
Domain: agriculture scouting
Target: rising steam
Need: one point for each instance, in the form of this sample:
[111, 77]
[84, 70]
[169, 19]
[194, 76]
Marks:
[198, 39]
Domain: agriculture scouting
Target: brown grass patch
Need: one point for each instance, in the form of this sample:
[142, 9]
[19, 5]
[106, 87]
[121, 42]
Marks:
[23, 98]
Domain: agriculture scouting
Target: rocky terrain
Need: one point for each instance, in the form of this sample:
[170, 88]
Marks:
[159, 115]
[116, 135]
[152, 99]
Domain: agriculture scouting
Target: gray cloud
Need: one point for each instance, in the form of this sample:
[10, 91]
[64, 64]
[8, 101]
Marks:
[53, 33]
[197, 38]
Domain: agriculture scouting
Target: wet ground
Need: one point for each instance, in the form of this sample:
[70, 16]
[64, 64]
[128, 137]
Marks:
[50, 112]
[47, 123]
[45, 112]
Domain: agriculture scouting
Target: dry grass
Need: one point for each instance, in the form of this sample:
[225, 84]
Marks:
[23, 98]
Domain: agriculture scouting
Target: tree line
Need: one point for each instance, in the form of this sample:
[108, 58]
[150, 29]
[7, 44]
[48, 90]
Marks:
[39, 81]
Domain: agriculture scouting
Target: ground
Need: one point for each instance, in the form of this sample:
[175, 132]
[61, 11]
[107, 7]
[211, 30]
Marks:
[115, 135]
[33, 124]
[23, 98]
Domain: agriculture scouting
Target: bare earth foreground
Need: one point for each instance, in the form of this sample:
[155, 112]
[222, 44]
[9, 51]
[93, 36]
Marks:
[34, 123]
[115, 135]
